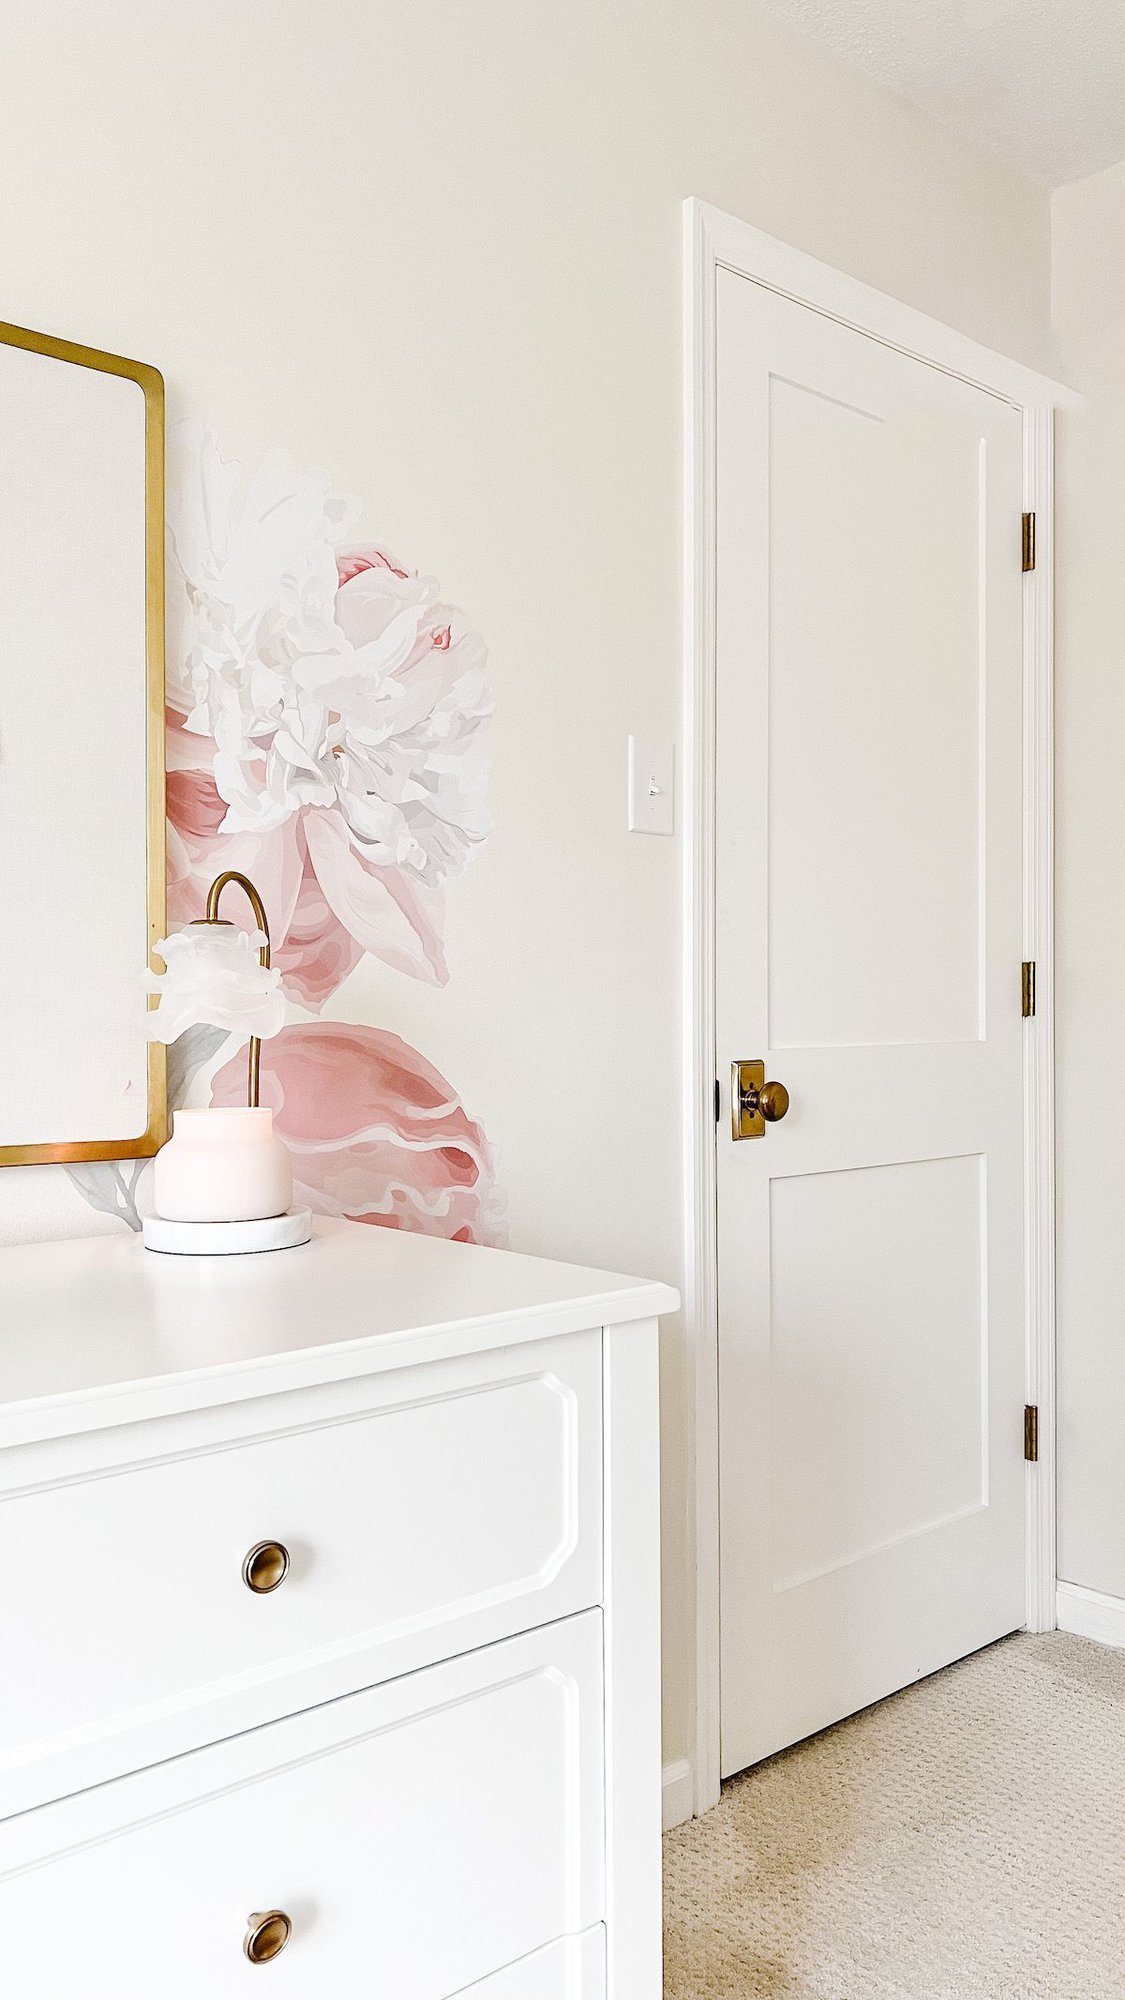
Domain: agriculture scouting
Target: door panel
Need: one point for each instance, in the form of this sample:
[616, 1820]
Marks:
[892, 1425]
[873, 542]
[868, 944]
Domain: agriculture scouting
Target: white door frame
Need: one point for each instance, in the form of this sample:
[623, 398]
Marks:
[713, 239]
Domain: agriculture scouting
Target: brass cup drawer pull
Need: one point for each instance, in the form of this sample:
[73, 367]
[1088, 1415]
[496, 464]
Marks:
[269, 1933]
[266, 1566]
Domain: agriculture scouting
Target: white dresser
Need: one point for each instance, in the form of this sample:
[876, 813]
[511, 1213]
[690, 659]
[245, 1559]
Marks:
[329, 1635]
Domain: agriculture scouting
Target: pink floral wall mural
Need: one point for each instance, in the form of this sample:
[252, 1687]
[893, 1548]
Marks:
[326, 713]
[375, 1132]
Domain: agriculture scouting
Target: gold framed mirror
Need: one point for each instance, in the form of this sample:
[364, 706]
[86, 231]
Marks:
[82, 779]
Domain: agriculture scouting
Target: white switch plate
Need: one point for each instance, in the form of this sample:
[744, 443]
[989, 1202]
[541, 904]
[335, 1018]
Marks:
[652, 780]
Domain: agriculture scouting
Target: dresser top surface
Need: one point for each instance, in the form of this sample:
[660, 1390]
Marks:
[100, 1330]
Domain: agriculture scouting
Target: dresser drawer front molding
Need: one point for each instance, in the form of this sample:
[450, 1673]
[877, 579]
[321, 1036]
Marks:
[69, 1458]
[424, 1514]
[570, 1969]
[422, 1834]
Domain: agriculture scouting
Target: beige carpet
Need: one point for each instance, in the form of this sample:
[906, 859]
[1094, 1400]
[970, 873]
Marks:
[962, 1841]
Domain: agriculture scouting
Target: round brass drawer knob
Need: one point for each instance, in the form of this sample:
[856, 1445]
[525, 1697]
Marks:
[265, 1567]
[269, 1933]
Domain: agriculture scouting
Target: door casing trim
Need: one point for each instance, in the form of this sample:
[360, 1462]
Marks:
[713, 239]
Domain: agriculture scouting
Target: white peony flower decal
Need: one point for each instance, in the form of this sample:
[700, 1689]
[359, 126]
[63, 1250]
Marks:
[330, 680]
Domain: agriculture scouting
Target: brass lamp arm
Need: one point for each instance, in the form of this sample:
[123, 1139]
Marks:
[212, 917]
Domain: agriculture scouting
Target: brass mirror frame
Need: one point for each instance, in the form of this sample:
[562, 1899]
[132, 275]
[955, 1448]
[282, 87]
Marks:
[151, 383]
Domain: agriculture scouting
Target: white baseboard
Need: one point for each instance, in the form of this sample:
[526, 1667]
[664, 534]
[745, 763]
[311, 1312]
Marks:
[679, 1791]
[1088, 1613]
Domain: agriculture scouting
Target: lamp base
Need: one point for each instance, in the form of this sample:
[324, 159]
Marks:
[227, 1239]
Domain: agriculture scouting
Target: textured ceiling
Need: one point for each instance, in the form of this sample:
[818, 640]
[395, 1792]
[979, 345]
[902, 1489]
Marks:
[1041, 82]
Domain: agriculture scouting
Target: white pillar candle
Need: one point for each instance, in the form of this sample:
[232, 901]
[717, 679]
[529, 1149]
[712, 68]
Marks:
[222, 1165]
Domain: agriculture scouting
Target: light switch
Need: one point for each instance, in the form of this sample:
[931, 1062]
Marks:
[652, 774]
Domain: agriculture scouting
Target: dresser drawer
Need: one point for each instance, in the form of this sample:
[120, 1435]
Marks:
[428, 1512]
[417, 1837]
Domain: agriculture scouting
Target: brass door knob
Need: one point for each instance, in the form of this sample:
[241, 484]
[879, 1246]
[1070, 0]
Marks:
[269, 1932]
[754, 1103]
[266, 1565]
[773, 1102]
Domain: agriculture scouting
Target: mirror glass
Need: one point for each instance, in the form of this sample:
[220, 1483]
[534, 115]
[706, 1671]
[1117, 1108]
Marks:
[81, 749]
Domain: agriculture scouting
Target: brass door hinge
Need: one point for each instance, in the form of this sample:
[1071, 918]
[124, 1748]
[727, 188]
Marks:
[1028, 542]
[1031, 1432]
[1028, 989]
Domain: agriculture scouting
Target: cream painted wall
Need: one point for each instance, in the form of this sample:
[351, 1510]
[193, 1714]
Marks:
[1089, 310]
[435, 249]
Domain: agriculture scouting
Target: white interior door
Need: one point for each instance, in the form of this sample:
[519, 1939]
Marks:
[868, 949]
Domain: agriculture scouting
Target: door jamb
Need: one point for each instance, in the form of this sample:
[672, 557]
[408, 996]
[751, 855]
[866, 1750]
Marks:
[713, 239]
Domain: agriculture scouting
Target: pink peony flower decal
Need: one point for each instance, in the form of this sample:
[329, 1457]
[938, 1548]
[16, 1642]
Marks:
[375, 1132]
